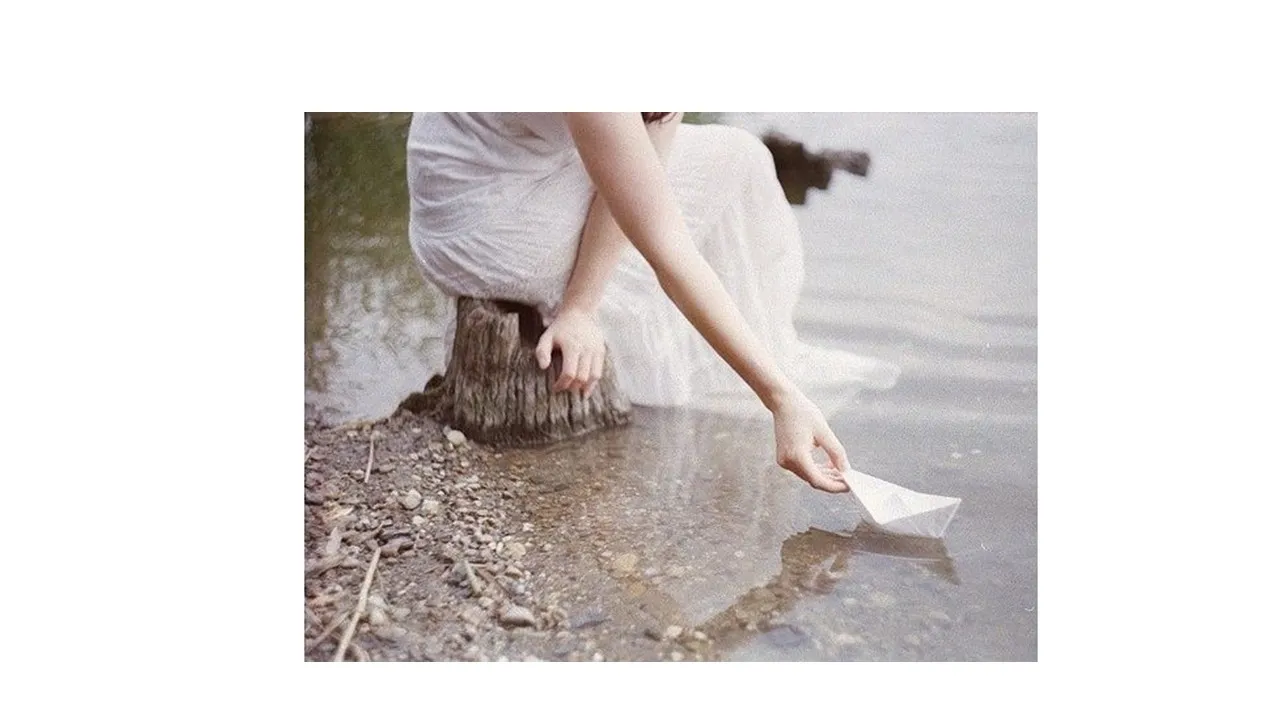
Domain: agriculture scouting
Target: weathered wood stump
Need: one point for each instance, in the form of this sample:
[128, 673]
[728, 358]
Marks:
[799, 169]
[494, 391]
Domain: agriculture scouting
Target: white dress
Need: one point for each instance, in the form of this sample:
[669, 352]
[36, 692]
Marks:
[498, 202]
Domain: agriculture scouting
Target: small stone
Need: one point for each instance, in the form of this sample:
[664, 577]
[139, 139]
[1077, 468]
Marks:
[392, 633]
[699, 635]
[418, 521]
[739, 554]
[394, 547]
[625, 562]
[677, 656]
[472, 614]
[526, 527]
[672, 632]
[431, 507]
[956, 455]
[598, 657]
[546, 547]
[486, 602]
[455, 437]
[377, 617]
[411, 500]
[516, 616]
[939, 616]
[514, 550]
[975, 452]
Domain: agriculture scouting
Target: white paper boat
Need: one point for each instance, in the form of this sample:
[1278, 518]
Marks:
[894, 509]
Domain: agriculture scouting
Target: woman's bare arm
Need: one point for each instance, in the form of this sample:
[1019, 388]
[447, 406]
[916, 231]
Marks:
[599, 250]
[602, 240]
[628, 174]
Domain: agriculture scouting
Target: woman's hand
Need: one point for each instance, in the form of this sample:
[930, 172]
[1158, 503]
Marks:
[578, 336]
[798, 427]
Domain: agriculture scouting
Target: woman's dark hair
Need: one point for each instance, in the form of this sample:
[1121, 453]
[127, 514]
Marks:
[655, 116]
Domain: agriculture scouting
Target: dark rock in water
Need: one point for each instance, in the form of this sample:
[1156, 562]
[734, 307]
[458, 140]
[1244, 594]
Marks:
[799, 169]
[785, 636]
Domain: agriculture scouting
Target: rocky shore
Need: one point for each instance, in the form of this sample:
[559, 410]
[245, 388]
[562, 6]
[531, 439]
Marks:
[461, 573]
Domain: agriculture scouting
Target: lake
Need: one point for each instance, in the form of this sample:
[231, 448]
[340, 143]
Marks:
[929, 262]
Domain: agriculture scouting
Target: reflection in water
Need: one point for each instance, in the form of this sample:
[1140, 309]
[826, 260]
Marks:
[372, 324]
[812, 563]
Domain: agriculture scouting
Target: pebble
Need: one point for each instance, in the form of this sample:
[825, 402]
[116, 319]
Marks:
[625, 562]
[956, 455]
[677, 656]
[672, 632]
[514, 550]
[598, 657]
[431, 507]
[418, 520]
[472, 614]
[377, 617]
[455, 437]
[391, 633]
[486, 602]
[699, 635]
[517, 616]
[411, 500]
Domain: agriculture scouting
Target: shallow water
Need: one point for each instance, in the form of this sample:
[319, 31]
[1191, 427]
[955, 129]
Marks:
[929, 262]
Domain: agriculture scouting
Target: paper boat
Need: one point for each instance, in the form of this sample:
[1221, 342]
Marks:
[894, 509]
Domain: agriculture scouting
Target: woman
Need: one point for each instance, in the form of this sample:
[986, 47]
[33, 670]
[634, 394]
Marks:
[619, 228]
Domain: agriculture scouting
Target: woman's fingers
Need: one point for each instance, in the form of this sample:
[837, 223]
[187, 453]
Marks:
[585, 363]
[543, 350]
[828, 441]
[804, 466]
[571, 355]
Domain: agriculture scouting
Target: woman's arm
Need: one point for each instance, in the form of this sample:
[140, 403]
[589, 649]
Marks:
[629, 176]
[602, 240]
[574, 329]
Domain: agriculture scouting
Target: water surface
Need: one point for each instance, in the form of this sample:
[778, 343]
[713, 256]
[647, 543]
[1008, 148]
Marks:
[929, 262]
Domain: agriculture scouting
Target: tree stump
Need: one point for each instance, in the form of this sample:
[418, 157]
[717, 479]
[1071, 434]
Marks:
[494, 392]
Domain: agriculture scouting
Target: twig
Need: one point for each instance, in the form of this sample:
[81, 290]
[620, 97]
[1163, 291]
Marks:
[368, 467]
[327, 630]
[361, 654]
[360, 606]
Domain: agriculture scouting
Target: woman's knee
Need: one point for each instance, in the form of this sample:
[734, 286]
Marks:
[733, 152]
